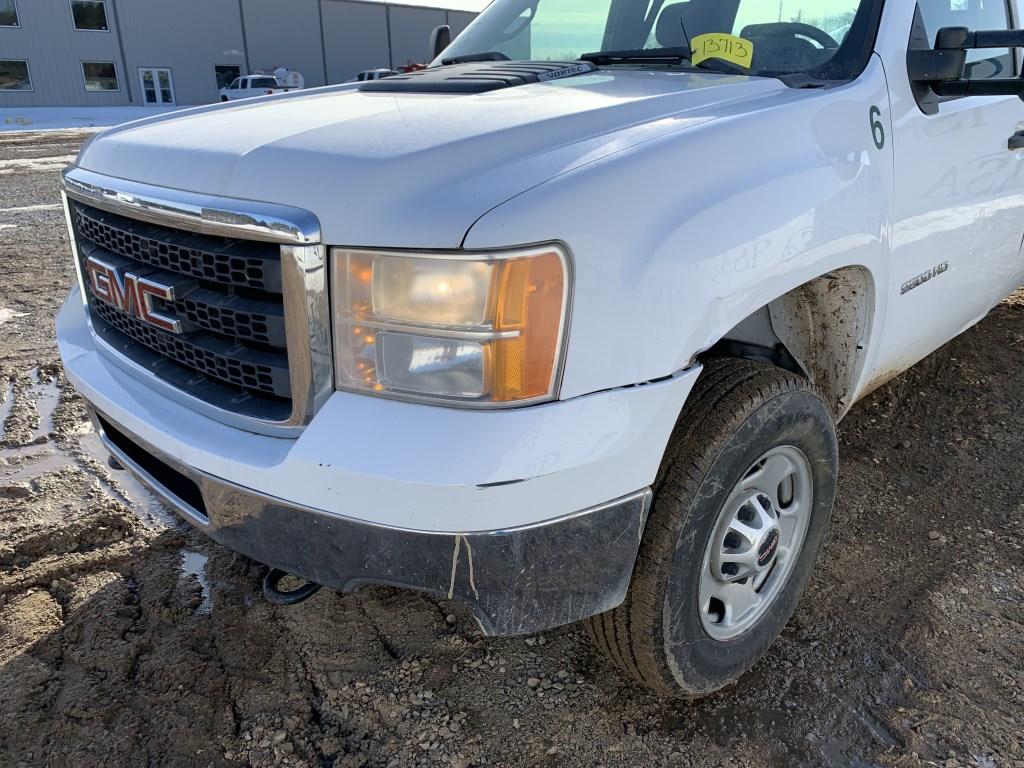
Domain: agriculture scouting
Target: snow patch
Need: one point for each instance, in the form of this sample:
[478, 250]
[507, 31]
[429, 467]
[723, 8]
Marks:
[72, 118]
[36, 164]
[29, 208]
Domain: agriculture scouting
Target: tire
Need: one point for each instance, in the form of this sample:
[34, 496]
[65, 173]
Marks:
[738, 413]
[223, 99]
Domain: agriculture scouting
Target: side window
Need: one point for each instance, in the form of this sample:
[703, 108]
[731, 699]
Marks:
[226, 74]
[100, 76]
[90, 15]
[14, 76]
[8, 14]
[975, 15]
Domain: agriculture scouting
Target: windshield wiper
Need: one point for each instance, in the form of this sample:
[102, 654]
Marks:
[469, 58]
[719, 65]
[677, 54]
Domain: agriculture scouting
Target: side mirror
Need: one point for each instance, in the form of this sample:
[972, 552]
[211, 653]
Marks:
[440, 39]
[943, 67]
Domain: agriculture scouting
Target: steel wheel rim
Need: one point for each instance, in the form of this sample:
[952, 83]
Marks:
[756, 542]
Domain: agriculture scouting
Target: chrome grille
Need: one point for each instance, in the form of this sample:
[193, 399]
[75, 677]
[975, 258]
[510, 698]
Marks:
[233, 344]
[252, 344]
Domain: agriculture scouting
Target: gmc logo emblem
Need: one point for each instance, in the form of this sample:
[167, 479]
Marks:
[132, 294]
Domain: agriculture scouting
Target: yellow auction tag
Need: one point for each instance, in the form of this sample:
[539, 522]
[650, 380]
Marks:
[718, 45]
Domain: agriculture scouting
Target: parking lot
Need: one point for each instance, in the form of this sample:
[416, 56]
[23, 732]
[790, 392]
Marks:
[126, 639]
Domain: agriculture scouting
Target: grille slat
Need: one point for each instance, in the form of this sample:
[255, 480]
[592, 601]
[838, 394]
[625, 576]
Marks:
[219, 260]
[228, 300]
[246, 319]
[248, 369]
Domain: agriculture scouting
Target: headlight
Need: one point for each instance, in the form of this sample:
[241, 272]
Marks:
[458, 328]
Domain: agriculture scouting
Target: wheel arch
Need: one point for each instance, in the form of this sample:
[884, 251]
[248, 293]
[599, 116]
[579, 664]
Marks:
[820, 329]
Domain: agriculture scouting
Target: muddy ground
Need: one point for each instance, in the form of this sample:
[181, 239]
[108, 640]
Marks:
[129, 640]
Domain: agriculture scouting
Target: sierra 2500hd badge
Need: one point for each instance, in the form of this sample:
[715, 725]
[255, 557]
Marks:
[924, 277]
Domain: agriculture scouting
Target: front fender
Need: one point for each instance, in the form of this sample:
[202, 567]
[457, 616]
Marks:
[677, 240]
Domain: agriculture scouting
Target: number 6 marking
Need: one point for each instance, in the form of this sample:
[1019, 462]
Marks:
[877, 129]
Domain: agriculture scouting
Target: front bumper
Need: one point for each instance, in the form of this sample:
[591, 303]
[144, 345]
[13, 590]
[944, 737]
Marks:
[516, 581]
[505, 511]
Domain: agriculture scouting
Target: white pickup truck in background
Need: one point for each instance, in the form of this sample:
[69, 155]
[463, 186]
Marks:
[561, 326]
[249, 86]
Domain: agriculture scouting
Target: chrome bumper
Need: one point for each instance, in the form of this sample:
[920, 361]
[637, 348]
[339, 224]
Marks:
[516, 581]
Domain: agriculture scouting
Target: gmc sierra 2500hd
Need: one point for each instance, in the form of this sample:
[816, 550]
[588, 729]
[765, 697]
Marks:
[636, 260]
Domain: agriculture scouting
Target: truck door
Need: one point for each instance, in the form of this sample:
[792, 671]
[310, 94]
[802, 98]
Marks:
[958, 211]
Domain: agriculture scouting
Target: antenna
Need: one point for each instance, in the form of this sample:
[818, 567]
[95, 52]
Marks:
[686, 37]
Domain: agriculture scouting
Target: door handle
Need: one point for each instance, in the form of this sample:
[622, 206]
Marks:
[1016, 141]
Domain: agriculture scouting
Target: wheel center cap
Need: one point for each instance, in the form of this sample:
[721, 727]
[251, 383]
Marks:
[768, 547]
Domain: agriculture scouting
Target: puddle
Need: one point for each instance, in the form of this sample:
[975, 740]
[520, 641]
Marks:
[47, 397]
[153, 513]
[9, 314]
[6, 404]
[194, 564]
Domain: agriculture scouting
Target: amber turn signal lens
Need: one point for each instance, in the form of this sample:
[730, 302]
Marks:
[530, 300]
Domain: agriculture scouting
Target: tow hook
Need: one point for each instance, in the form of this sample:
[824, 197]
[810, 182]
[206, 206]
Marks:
[292, 597]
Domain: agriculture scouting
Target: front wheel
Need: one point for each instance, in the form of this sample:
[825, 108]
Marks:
[741, 507]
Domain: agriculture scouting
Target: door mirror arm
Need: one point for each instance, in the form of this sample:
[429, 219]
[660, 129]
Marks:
[440, 39]
[943, 66]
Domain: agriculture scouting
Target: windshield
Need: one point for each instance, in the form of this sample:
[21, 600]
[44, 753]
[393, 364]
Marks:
[826, 38]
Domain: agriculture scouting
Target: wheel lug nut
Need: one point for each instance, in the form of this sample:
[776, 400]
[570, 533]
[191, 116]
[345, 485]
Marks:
[730, 569]
[732, 541]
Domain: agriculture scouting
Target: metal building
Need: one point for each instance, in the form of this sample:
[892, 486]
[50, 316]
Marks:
[135, 52]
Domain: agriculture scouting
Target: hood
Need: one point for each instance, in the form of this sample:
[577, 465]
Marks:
[407, 169]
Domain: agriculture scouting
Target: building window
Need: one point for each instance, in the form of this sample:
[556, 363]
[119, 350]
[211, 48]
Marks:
[8, 14]
[100, 76]
[226, 75]
[14, 76]
[90, 15]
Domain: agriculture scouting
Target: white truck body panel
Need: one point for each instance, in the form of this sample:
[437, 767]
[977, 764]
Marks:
[687, 202]
[959, 198]
[338, 152]
[694, 268]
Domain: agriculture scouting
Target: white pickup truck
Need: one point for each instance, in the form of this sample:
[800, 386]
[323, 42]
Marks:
[560, 327]
[249, 86]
